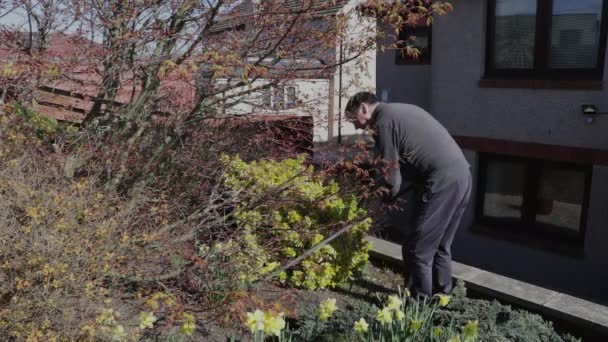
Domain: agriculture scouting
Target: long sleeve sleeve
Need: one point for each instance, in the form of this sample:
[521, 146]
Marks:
[387, 149]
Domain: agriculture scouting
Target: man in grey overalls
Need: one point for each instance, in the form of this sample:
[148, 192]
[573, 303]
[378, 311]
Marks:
[414, 145]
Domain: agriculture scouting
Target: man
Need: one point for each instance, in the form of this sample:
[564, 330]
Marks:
[415, 146]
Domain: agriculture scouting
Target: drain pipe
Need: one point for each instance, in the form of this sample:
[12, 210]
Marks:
[340, 94]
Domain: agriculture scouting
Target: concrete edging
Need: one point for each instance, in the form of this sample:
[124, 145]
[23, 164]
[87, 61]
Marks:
[554, 304]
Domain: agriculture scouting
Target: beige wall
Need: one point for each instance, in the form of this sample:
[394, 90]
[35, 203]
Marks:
[357, 75]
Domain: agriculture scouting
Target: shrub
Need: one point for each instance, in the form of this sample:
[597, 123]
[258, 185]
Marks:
[498, 322]
[70, 251]
[284, 209]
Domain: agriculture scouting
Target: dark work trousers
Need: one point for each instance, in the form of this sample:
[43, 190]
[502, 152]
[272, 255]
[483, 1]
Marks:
[427, 246]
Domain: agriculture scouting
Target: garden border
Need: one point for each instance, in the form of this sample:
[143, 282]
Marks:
[578, 311]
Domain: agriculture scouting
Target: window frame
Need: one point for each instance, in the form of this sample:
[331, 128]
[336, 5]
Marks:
[542, 48]
[270, 99]
[527, 227]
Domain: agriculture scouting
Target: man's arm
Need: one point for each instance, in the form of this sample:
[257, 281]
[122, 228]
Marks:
[387, 149]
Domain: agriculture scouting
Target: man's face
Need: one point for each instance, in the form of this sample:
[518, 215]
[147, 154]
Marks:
[361, 117]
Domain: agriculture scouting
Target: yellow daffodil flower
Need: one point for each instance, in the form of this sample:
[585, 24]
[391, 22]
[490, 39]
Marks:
[444, 300]
[188, 328]
[455, 339]
[361, 326]
[394, 302]
[146, 320]
[327, 308]
[273, 324]
[469, 331]
[255, 320]
[415, 325]
[119, 333]
[384, 316]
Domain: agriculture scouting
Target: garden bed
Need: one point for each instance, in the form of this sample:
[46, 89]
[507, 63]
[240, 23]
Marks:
[497, 321]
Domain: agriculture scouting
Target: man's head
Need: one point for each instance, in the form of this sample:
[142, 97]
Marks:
[360, 107]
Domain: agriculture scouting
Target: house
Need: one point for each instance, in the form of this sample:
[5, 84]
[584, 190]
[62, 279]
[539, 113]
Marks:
[71, 96]
[509, 79]
[317, 91]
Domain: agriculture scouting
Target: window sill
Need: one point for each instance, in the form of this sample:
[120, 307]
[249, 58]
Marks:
[535, 240]
[542, 84]
[413, 63]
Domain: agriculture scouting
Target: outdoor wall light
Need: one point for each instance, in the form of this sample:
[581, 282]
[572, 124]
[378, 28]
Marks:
[590, 111]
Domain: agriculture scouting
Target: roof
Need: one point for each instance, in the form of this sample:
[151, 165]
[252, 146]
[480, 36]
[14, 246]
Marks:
[81, 79]
[61, 46]
[237, 18]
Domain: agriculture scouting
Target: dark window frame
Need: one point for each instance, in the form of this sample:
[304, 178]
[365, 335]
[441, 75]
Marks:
[542, 47]
[425, 56]
[527, 229]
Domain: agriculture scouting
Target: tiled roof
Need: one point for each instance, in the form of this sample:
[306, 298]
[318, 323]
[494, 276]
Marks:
[238, 16]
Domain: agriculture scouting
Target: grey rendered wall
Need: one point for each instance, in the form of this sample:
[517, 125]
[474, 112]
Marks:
[527, 115]
[402, 83]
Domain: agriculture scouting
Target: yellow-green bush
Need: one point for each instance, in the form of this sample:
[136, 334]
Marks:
[285, 209]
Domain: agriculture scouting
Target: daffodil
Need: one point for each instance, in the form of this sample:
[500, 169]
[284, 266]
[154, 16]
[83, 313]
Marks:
[273, 324]
[188, 328]
[255, 320]
[327, 308]
[399, 315]
[394, 302]
[119, 333]
[444, 300]
[361, 326]
[146, 320]
[384, 316]
[454, 339]
[469, 330]
[415, 325]
[437, 331]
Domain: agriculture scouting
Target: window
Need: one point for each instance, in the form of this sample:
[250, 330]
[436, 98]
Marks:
[31, 41]
[266, 98]
[290, 97]
[546, 39]
[418, 37]
[534, 198]
[279, 97]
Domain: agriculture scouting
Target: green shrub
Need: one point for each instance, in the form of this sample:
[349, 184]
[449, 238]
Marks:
[284, 210]
[498, 322]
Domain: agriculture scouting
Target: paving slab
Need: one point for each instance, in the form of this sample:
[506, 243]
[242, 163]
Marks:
[579, 310]
[510, 289]
[385, 249]
[464, 272]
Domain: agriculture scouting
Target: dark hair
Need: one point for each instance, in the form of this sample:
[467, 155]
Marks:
[356, 100]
